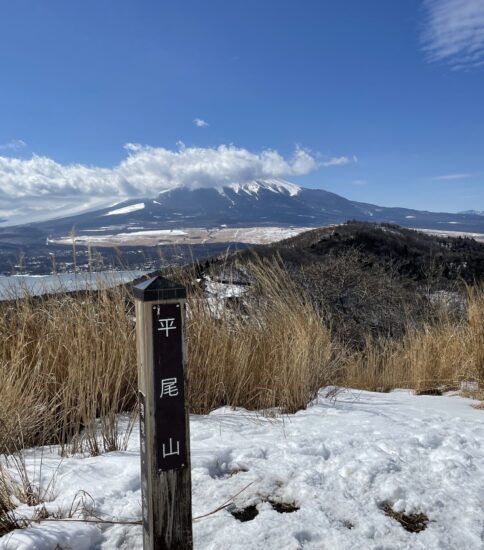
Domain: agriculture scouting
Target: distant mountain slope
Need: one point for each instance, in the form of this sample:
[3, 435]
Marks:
[411, 254]
[473, 212]
[259, 203]
[368, 279]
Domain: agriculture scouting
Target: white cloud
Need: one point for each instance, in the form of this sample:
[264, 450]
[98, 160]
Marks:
[453, 32]
[40, 187]
[359, 182]
[200, 122]
[13, 145]
[149, 169]
[450, 177]
[339, 161]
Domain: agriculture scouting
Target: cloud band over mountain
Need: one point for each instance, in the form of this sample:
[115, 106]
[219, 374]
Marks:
[28, 187]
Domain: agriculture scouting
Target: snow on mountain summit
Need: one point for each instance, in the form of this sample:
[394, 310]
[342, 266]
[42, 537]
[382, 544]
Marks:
[253, 187]
[274, 185]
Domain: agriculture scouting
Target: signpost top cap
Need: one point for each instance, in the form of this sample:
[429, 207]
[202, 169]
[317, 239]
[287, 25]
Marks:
[159, 288]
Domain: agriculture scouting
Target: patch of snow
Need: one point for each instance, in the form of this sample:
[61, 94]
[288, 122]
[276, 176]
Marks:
[126, 209]
[251, 235]
[410, 217]
[261, 235]
[216, 293]
[478, 236]
[223, 291]
[273, 185]
[338, 461]
[251, 188]
[389, 230]
[224, 194]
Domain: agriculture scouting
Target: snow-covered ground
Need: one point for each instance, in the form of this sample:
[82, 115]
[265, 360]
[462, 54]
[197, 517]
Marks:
[249, 235]
[338, 461]
[121, 238]
[444, 233]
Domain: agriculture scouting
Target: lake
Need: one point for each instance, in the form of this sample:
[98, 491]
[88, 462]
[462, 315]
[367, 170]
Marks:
[35, 285]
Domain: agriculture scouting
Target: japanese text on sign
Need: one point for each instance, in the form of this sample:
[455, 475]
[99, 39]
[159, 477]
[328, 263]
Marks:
[168, 383]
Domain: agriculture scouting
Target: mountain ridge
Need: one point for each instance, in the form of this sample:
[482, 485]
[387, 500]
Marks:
[259, 203]
[473, 212]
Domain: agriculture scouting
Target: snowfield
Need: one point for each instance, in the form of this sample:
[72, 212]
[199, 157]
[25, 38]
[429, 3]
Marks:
[148, 237]
[126, 209]
[339, 462]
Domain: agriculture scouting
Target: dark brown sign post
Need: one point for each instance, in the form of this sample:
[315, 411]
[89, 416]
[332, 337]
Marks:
[164, 421]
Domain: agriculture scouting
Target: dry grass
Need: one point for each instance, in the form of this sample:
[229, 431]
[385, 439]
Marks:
[67, 364]
[439, 356]
[270, 349]
[413, 523]
[8, 520]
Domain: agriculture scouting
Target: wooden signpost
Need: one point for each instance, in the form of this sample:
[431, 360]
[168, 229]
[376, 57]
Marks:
[164, 420]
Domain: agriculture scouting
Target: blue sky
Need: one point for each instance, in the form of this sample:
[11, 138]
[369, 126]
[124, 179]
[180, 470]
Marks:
[384, 98]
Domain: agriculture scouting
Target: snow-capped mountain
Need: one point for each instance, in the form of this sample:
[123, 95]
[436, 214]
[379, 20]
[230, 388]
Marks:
[272, 202]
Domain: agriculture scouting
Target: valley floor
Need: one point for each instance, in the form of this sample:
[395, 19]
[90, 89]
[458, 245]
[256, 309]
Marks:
[342, 463]
[189, 236]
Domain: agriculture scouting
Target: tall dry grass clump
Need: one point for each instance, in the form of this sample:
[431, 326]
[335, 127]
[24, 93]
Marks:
[67, 363]
[8, 520]
[437, 356]
[475, 314]
[267, 348]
